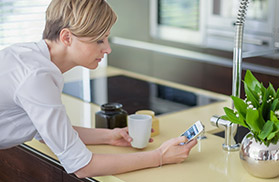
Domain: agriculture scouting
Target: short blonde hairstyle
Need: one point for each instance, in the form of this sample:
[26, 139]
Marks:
[84, 18]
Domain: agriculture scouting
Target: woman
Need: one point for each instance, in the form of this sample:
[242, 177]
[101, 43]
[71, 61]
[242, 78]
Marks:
[31, 82]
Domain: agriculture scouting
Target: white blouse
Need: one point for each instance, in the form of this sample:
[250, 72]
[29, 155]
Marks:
[30, 104]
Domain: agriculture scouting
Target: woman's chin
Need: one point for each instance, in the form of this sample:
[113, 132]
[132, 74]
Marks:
[93, 66]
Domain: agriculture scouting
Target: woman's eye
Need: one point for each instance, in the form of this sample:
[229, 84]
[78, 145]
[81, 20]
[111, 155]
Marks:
[100, 41]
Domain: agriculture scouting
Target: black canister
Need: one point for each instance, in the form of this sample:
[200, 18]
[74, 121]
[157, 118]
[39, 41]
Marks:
[111, 116]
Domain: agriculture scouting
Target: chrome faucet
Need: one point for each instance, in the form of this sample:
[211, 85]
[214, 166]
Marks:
[230, 131]
[231, 128]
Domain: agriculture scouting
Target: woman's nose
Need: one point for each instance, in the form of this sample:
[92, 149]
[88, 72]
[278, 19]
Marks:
[107, 48]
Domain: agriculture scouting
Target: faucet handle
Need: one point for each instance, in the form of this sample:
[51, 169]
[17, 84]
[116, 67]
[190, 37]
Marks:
[230, 131]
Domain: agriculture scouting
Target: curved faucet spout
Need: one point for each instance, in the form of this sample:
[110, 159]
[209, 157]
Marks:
[230, 128]
[237, 51]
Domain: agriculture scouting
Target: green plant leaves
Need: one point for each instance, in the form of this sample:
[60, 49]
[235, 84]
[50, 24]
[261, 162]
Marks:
[272, 135]
[251, 81]
[231, 116]
[267, 129]
[274, 118]
[266, 106]
[240, 106]
[277, 94]
[259, 112]
[254, 121]
[272, 90]
[274, 104]
[251, 96]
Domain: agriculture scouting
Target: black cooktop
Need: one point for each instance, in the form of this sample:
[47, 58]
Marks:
[135, 94]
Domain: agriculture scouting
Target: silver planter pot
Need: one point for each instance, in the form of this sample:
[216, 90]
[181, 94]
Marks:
[258, 159]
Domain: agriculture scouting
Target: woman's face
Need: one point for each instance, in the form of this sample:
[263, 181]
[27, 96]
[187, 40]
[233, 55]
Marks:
[89, 54]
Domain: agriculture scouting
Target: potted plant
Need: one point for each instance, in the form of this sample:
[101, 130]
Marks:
[259, 112]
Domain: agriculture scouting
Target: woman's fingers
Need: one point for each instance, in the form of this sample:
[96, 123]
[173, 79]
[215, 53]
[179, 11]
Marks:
[172, 152]
[192, 143]
[125, 135]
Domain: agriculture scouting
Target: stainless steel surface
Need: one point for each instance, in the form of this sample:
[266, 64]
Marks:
[172, 51]
[249, 54]
[227, 36]
[192, 55]
[259, 25]
[237, 60]
[258, 159]
[237, 51]
[230, 131]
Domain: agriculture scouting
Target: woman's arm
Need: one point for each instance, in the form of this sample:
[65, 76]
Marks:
[108, 164]
[117, 136]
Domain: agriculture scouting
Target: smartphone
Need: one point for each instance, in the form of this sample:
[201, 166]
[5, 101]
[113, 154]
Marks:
[193, 132]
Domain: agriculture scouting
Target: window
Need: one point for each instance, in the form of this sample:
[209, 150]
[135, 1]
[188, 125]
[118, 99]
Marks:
[21, 21]
[178, 20]
[179, 13]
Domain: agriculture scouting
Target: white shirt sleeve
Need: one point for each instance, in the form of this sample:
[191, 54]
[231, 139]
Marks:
[40, 96]
[38, 137]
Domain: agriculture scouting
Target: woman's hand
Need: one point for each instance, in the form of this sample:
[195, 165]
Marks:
[121, 137]
[172, 152]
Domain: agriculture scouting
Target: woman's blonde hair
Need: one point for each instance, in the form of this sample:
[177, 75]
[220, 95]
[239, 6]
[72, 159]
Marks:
[84, 18]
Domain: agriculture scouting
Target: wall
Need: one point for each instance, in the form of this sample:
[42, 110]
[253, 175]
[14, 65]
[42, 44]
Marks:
[133, 23]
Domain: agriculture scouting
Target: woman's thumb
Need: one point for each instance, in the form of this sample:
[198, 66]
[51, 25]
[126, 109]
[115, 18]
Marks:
[181, 140]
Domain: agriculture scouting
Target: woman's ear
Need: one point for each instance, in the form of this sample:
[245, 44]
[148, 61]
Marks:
[66, 37]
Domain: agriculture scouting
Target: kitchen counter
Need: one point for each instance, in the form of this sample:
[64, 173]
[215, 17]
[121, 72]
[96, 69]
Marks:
[207, 161]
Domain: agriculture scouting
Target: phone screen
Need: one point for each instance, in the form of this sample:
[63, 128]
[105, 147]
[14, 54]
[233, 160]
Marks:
[191, 132]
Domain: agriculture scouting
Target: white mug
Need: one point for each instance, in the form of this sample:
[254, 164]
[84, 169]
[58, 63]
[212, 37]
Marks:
[139, 126]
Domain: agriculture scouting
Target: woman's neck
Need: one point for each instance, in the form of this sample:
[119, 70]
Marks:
[59, 55]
